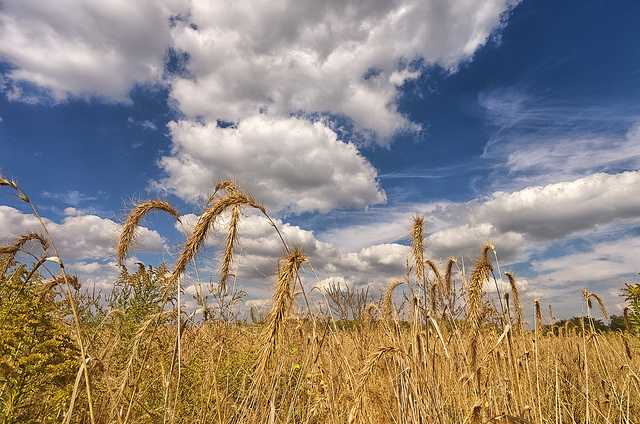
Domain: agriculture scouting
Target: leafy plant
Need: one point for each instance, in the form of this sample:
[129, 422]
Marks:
[631, 292]
[38, 359]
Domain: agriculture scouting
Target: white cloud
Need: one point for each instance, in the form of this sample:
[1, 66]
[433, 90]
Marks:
[290, 56]
[467, 240]
[85, 48]
[71, 197]
[574, 155]
[540, 141]
[144, 124]
[601, 262]
[246, 56]
[557, 210]
[516, 223]
[78, 237]
[603, 267]
[287, 163]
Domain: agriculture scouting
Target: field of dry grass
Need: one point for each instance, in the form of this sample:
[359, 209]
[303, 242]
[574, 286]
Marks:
[445, 354]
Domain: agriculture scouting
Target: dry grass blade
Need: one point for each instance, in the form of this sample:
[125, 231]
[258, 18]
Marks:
[438, 289]
[133, 220]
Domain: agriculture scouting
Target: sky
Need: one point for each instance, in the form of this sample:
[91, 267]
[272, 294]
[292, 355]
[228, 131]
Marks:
[511, 122]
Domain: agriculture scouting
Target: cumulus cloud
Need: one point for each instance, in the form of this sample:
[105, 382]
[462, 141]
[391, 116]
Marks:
[85, 48]
[78, 237]
[602, 267]
[600, 262]
[466, 240]
[557, 210]
[516, 222]
[244, 57]
[288, 163]
[340, 57]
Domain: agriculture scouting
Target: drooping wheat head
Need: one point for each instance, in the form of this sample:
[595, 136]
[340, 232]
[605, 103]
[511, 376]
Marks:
[228, 186]
[49, 284]
[128, 232]
[600, 302]
[9, 252]
[13, 248]
[204, 224]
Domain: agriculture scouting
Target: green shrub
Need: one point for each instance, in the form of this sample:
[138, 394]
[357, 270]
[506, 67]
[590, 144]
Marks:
[38, 359]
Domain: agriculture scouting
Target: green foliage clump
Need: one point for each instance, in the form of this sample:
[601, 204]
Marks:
[631, 293]
[38, 359]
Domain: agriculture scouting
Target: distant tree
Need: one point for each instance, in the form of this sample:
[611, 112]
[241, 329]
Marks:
[617, 323]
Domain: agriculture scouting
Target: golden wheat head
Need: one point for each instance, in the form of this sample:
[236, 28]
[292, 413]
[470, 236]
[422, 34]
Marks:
[417, 246]
[133, 220]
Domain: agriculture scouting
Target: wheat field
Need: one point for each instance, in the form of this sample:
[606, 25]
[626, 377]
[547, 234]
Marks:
[434, 348]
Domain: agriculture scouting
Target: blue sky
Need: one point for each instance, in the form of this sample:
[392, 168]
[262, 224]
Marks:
[515, 123]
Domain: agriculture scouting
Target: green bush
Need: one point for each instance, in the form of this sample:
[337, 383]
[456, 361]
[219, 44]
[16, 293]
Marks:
[632, 296]
[38, 359]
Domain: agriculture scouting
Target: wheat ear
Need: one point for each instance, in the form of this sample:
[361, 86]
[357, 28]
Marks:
[141, 209]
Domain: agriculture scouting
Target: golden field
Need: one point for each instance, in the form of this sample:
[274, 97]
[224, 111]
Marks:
[443, 353]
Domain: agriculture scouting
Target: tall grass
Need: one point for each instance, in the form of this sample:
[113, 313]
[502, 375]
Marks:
[449, 353]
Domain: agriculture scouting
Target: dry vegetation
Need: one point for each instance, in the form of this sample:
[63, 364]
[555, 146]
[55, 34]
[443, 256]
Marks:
[448, 353]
